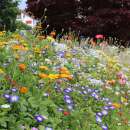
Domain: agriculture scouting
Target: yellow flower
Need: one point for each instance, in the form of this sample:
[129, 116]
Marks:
[37, 50]
[50, 39]
[68, 55]
[116, 105]
[53, 76]
[2, 33]
[1, 71]
[124, 100]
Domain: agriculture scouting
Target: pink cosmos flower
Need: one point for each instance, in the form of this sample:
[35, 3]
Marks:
[122, 81]
[99, 36]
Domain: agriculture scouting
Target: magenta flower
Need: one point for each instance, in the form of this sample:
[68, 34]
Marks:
[34, 128]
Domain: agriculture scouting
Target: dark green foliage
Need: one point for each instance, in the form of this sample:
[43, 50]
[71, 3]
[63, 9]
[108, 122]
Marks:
[8, 14]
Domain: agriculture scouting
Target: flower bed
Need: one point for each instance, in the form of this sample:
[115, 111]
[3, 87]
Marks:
[45, 86]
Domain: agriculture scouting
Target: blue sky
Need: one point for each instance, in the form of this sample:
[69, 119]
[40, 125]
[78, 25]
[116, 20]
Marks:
[22, 4]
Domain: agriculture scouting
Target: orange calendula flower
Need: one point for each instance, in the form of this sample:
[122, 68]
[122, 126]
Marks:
[23, 90]
[69, 77]
[111, 82]
[64, 70]
[22, 67]
[116, 105]
[43, 76]
[43, 67]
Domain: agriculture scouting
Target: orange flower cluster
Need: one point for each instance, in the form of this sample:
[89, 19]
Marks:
[63, 73]
[19, 47]
[55, 76]
[22, 67]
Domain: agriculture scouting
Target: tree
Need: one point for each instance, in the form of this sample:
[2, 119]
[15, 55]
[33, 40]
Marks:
[109, 17]
[8, 14]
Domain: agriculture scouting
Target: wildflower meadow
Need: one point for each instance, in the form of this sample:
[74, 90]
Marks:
[45, 85]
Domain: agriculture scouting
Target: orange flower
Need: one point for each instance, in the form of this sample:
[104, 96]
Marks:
[116, 105]
[22, 67]
[43, 67]
[69, 77]
[111, 82]
[64, 70]
[53, 33]
[43, 76]
[19, 47]
[23, 90]
[125, 121]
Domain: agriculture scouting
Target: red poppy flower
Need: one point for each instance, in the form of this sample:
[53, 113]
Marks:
[66, 113]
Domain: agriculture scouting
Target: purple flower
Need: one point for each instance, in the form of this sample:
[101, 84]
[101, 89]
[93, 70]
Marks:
[74, 52]
[13, 99]
[99, 114]
[69, 101]
[48, 128]
[39, 118]
[7, 96]
[61, 54]
[34, 128]
[84, 92]
[67, 97]
[104, 127]
[106, 108]
[96, 91]
[93, 94]
[112, 107]
[14, 89]
[89, 90]
[68, 90]
[109, 103]
[104, 112]
[98, 119]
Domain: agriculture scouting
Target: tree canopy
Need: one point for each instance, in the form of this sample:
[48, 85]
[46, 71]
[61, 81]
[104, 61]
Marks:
[109, 17]
[8, 14]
